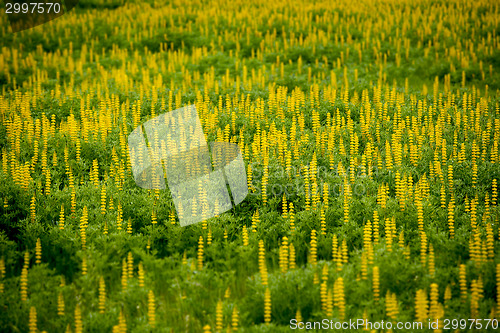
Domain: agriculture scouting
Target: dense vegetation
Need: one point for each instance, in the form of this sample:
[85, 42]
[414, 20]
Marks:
[370, 132]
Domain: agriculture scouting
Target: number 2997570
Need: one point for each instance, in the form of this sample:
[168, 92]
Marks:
[32, 8]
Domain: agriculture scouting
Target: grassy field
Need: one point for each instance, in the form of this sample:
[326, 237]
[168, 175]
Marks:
[370, 132]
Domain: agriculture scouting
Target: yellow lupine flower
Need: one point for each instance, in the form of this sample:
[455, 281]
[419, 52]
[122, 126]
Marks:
[256, 220]
[24, 284]
[376, 283]
[61, 218]
[245, 236]
[38, 251]
[284, 207]
[60, 304]
[218, 317]
[431, 264]
[32, 320]
[421, 306]
[463, 282]
[267, 306]
[103, 199]
[347, 199]
[102, 295]
[151, 309]
[283, 255]
[391, 304]
[339, 297]
[33, 209]
[234, 319]
[200, 253]
[119, 216]
[313, 256]
[474, 299]
[83, 227]
[435, 308]
[292, 218]
[78, 319]
[375, 227]
[209, 236]
[262, 263]
[451, 216]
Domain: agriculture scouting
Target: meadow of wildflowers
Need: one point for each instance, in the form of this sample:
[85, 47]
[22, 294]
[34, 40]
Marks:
[370, 133]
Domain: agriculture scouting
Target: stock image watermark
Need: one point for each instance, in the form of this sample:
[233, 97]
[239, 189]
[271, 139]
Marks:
[365, 324]
[26, 14]
[205, 180]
